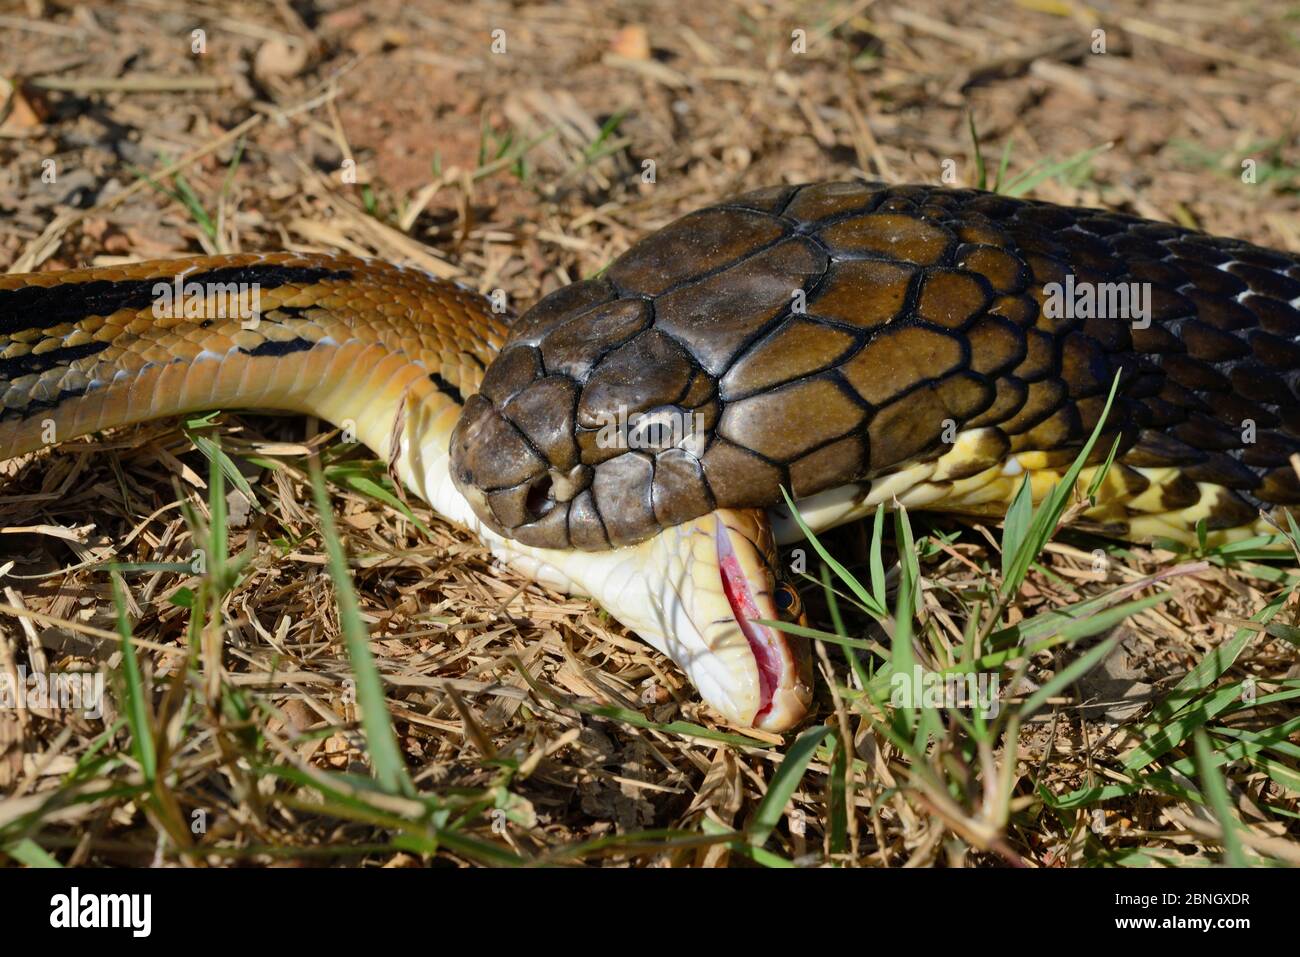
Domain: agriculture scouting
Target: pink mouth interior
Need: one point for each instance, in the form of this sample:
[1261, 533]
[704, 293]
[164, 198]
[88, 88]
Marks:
[743, 607]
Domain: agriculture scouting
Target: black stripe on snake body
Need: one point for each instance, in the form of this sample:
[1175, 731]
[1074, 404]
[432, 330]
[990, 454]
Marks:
[281, 348]
[446, 388]
[68, 302]
[34, 363]
[36, 406]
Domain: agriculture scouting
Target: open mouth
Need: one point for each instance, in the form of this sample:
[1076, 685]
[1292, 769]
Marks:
[744, 608]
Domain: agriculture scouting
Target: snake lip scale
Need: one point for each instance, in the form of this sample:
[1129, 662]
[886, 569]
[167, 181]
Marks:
[854, 343]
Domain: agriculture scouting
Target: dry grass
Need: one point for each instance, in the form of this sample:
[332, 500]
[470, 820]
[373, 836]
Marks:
[530, 725]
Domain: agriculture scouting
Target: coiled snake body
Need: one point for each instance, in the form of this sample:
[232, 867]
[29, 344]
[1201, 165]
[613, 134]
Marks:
[851, 342]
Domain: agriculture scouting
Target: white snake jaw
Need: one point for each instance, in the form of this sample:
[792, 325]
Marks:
[746, 558]
[692, 592]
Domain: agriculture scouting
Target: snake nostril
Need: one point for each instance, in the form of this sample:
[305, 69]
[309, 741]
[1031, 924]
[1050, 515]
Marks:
[541, 498]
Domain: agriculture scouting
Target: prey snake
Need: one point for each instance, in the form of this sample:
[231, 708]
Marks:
[853, 343]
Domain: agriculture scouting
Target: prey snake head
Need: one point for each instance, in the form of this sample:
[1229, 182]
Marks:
[753, 673]
[698, 593]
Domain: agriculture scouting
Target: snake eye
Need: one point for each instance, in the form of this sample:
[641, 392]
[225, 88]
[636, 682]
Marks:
[787, 600]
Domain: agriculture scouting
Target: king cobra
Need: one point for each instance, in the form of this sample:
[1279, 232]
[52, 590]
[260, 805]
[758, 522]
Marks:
[629, 437]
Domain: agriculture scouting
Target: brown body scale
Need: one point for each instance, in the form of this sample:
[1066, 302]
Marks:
[831, 334]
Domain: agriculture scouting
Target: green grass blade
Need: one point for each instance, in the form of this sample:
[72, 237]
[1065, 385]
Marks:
[1067, 676]
[137, 708]
[803, 631]
[1172, 732]
[1207, 671]
[385, 756]
[876, 561]
[869, 602]
[1027, 181]
[1049, 513]
[839, 809]
[1002, 167]
[1102, 472]
[360, 478]
[213, 452]
[1015, 527]
[784, 783]
[27, 852]
[1220, 803]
